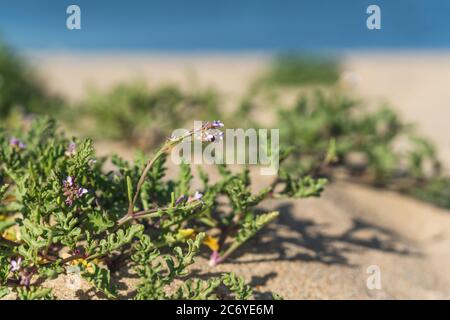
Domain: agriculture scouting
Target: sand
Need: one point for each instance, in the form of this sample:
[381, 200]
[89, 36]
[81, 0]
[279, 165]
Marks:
[319, 248]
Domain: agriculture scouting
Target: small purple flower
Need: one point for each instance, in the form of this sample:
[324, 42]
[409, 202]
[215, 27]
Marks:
[71, 149]
[210, 135]
[217, 124]
[198, 195]
[15, 264]
[81, 192]
[72, 191]
[214, 259]
[68, 182]
[17, 144]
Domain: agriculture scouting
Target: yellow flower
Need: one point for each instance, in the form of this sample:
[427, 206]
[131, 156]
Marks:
[211, 242]
[42, 260]
[10, 235]
[186, 233]
[88, 266]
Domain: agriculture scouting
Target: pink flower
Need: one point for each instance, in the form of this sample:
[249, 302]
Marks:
[72, 191]
[17, 144]
[15, 264]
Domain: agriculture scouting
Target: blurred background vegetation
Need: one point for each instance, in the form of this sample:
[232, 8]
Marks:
[373, 147]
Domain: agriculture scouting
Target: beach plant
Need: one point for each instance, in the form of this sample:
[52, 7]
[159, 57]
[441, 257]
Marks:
[372, 146]
[21, 91]
[63, 214]
[140, 115]
[290, 70]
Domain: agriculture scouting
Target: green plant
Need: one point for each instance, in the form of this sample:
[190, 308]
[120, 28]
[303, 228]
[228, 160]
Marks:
[365, 143]
[60, 211]
[294, 70]
[138, 115]
[20, 89]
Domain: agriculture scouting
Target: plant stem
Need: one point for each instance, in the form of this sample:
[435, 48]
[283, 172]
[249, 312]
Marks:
[166, 147]
[142, 179]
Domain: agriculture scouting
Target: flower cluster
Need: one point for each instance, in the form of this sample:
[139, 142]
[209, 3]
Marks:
[210, 131]
[72, 191]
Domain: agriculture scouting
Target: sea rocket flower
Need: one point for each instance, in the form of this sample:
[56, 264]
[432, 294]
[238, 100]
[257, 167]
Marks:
[210, 135]
[68, 182]
[71, 149]
[17, 144]
[196, 197]
[82, 191]
[72, 191]
[213, 125]
[15, 264]
[217, 124]
[210, 132]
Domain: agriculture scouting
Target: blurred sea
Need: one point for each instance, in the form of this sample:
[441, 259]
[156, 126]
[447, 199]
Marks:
[225, 25]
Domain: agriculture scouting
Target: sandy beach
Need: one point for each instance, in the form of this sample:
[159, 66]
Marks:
[318, 248]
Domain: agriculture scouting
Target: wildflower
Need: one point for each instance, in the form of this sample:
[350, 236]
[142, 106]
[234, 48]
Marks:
[17, 144]
[81, 192]
[42, 260]
[214, 259]
[72, 191]
[68, 182]
[88, 266]
[196, 197]
[217, 124]
[186, 233]
[71, 149]
[10, 234]
[213, 125]
[210, 135]
[211, 242]
[210, 131]
[15, 264]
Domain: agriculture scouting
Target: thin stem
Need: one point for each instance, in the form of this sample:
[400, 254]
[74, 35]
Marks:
[142, 179]
[167, 146]
[137, 215]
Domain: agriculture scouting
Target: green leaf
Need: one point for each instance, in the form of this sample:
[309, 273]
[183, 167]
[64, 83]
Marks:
[34, 293]
[129, 189]
[237, 286]
[100, 278]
